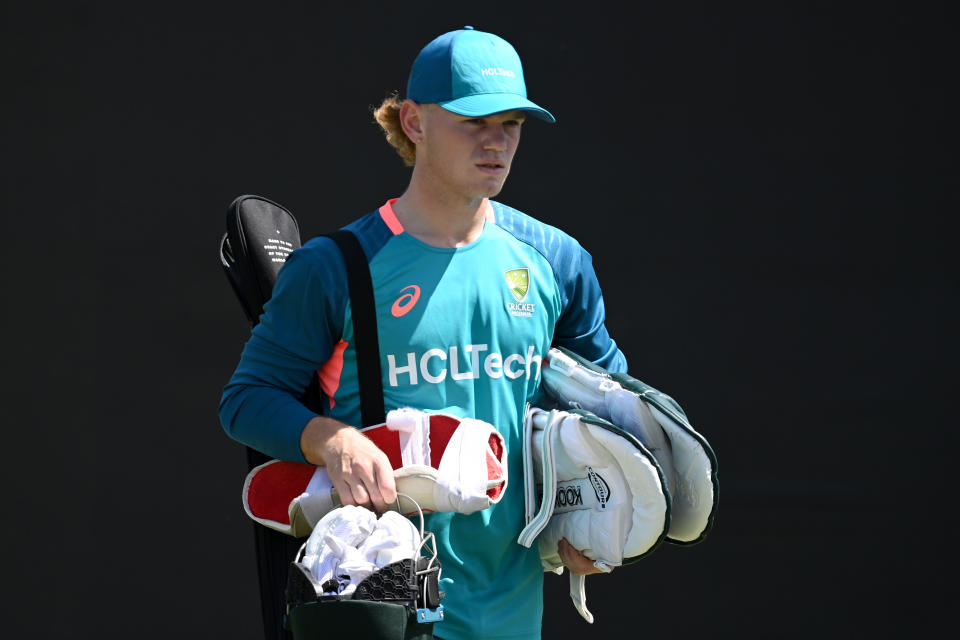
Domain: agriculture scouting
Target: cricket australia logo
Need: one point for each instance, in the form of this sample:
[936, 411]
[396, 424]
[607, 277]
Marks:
[518, 281]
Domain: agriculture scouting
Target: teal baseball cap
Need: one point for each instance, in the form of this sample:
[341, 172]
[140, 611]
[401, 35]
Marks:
[471, 73]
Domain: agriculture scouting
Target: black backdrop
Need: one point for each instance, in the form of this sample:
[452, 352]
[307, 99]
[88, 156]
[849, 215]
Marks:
[763, 188]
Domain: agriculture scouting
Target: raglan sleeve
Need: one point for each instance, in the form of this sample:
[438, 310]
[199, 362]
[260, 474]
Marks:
[582, 323]
[301, 323]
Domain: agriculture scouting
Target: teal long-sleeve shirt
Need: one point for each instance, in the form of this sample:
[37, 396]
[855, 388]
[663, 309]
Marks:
[462, 331]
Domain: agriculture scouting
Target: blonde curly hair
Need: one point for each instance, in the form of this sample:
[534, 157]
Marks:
[387, 115]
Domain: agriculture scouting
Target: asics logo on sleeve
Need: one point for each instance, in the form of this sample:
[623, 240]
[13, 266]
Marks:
[403, 304]
[434, 365]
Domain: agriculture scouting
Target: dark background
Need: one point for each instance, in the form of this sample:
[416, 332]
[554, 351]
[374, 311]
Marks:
[763, 188]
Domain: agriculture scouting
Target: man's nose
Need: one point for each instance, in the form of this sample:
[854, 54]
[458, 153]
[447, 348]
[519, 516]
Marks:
[496, 138]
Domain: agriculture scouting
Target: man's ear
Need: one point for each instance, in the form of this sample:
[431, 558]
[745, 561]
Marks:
[411, 119]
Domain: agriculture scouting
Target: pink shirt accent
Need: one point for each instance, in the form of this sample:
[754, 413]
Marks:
[491, 215]
[390, 218]
[331, 371]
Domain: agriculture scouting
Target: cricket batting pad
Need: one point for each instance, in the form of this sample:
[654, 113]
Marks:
[597, 486]
[441, 461]
[688, 463]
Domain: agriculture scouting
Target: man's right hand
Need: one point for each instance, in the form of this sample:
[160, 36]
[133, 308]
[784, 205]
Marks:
[361, 473]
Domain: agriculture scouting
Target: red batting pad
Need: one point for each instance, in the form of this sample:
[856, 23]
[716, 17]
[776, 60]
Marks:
[441, 430]
[387, 441]
[275, 486]
[495, 466]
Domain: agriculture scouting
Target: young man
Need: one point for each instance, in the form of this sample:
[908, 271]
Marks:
[470, 294]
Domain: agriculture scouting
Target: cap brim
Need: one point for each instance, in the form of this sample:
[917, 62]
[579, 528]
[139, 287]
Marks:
[486, 104]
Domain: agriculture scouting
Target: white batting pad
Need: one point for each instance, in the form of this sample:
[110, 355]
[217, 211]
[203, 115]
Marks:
[688, 463]
[597, 486]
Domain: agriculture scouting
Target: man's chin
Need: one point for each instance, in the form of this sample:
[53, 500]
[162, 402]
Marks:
[492, 189]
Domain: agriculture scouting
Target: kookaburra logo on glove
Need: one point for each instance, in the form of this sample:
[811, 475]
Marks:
[582, 493]
[600, 487]
[626, 467]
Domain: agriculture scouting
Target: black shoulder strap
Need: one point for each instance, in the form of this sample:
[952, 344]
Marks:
[366, 343]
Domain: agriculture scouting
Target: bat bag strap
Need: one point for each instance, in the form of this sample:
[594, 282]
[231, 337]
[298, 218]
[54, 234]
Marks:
[366, 343]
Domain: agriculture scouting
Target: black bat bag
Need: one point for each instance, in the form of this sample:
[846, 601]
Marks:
[260, 234]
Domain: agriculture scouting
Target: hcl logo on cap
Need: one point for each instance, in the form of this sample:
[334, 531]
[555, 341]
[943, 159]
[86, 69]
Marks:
[497, 71]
